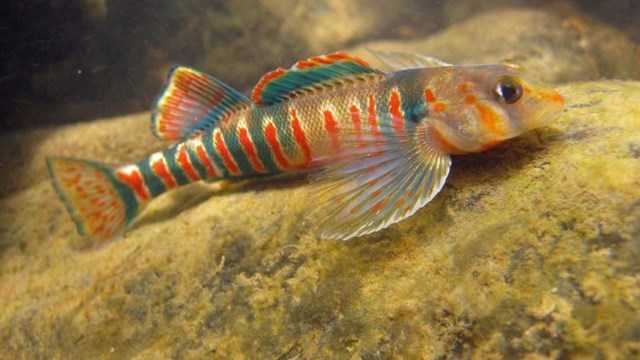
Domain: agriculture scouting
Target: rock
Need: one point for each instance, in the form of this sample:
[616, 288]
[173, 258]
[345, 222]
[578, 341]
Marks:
[557, 48]
[531, 248]
[115, 142]
[79, 60]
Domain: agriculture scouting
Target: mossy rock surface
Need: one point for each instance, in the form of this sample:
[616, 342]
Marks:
[531, 248]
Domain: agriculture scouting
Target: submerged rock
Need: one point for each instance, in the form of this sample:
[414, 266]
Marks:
[557, 48]
[531, 248]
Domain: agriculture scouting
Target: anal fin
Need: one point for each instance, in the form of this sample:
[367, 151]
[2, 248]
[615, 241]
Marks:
[376, 181]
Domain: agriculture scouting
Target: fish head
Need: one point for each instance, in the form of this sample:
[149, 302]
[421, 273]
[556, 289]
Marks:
[492, 103]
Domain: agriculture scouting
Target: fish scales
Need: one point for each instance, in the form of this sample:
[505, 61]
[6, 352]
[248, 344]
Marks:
[377, 145]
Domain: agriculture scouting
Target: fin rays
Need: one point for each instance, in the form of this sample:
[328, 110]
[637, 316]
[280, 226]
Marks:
[191, 102]
[376, 182]
[100, 205]
[306, 75]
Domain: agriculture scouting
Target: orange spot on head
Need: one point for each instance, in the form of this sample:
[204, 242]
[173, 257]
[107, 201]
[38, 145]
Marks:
[439, 106]
[428, 95]
[463, 87]
[490, 119]
[469, 99]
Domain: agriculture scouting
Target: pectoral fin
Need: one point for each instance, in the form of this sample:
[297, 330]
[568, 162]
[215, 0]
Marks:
[376, 180]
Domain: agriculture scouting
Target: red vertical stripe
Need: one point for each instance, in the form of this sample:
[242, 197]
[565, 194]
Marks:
[185, 163]
[355, 118]
[222, 149]
[300, 137]
[373, 116]
[331, 126]
[274, 144]
[132, 177]
[249, 149]
[204, 159]
[397, 117]
[159, 167]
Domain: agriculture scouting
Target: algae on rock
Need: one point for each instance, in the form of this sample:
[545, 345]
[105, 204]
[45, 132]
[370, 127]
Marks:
[531, 248]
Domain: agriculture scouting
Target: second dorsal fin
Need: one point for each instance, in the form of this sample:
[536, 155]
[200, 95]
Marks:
[192, 101]
[280, 84]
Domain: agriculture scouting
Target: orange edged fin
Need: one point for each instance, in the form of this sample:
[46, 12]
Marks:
[100, 205]
[305, 75]
[192, 101]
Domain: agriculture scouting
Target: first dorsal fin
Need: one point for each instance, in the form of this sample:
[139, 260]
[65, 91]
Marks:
[191, 102]
[397, 61]
[280, 84]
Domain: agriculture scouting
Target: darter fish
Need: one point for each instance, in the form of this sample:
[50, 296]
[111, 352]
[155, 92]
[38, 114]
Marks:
[376, 144]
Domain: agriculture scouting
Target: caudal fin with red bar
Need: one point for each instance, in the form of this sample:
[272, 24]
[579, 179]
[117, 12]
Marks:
[101, 205]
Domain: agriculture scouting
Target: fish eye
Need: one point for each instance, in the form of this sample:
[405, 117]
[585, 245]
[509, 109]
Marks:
[507, 89]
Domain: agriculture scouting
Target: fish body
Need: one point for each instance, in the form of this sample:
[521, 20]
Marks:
[377, 145]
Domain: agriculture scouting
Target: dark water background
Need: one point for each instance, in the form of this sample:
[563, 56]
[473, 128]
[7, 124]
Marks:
[65, 61]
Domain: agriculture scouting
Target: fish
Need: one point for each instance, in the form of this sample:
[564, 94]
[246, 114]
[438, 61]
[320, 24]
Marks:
[376, 145]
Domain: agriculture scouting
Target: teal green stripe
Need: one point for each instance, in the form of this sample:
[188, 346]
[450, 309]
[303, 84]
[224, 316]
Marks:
[285, 135]
[197, 164]
[153, 182]
[175, 169]
[207, 141]
[237, 153]
[262, 148]
[128, 196]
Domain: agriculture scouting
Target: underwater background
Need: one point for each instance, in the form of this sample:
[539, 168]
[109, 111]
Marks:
[531, 250]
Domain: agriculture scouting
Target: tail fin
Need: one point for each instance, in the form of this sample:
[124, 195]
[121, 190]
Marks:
[101, 205]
